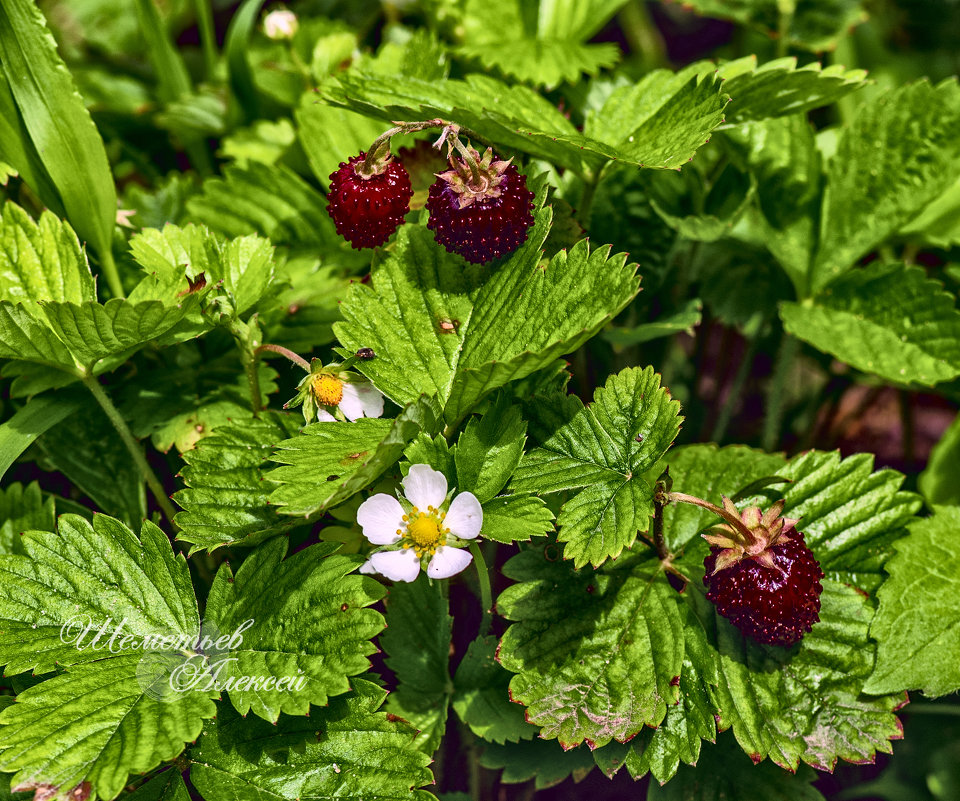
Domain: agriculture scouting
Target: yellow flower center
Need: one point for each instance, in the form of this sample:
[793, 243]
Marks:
[327, 389]
[425, 531]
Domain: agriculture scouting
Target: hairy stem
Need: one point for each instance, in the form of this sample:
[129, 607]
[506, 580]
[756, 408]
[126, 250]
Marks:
[486, 595]
[208, 37]
[732, 519]
[132, 445]
[296, 358]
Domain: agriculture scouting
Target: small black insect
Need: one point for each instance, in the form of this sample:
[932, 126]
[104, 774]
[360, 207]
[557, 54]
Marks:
[366, 354]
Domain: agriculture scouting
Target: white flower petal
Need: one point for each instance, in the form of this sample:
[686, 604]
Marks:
[361, 399]
[323, 416]
[402, 565]
[380, 516]
[448, 562]
[425, 487]
[465, 516]
[367, 567]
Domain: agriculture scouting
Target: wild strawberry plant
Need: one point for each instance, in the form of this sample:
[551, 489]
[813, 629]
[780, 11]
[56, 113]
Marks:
[524, 516]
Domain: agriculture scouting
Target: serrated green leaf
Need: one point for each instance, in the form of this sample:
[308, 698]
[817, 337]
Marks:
[724, 774]
[594, 661]
[603, 450]
[898, 155]
[41, 260]
[662, 120]
[328, 462]
[101, 719]
[268, 200]
[225, 501]
[482, 699]
[938, 223]
[489, 450]
[58, 123]
[516, 518]
[782, 154]
[95, 723]
[684, 320]
[662, 130]
[440, 329]
[778, 88]
[542, 62]
[885, 319]
[23, 509]
[309, 624]
[916, 627]
[177, 257]
[347, 750]
[542, 760]
[417, 645]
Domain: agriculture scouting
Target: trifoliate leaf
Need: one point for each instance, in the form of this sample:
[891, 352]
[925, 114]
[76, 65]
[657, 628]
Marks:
[543, 760]
[23, 509]
[489, 450]
[916, 627]
[41, 261]
[587, 669]
[105, 717]
[482, 698]
[438, 328]
[660, 126]
[898, 155]
[328, 462]
[603, 450]
[179, 257]
[779, 88]
[417, 645]
[308, 625]
[885, 319]
[347, 750]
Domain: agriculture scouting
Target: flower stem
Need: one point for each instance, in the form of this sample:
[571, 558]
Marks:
[661, 497]
[786, 355]
[470, 160]
[109, 266]
[732, 519]
[486, 595]
[296, 358]
[133, 445]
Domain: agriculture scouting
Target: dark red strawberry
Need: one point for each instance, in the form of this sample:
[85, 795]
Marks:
[368, 203]
[482, 216]
[762, 577]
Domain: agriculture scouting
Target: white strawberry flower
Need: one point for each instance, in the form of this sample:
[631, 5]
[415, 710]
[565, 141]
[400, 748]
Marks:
[424, 528]
[280, 24]
[355, 399]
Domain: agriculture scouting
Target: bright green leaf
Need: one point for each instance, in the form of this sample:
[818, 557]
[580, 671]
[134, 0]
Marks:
[603, 450]
[885, 319]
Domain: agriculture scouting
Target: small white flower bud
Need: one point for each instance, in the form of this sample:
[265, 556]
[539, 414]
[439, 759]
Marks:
[280, 24]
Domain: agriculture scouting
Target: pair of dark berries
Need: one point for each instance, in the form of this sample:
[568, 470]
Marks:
[481, 215]
[762, 576]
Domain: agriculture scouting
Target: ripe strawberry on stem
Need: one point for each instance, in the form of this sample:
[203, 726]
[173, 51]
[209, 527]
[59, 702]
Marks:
[369, 196]
[480, 208]
[760, 574]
